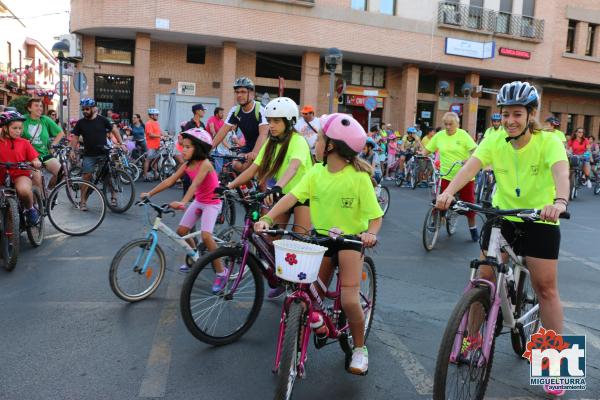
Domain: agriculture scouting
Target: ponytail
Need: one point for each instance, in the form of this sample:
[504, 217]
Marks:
[361, 165]
[342, 149]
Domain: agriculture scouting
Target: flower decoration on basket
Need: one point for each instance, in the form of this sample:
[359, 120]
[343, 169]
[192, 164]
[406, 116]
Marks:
[302, 276]
[290, 258]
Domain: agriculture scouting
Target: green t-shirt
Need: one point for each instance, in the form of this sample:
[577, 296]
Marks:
[491, 131]
[528, 169]
[345, 200]
[452, 148]
[39, 132]
[297, 150]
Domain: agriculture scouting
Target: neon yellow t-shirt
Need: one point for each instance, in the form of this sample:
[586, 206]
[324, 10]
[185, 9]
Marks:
[560, 135]
[452, 148]
[491, 131]
[345, 200]
[297, 150]
[528, 170]
[425, 140]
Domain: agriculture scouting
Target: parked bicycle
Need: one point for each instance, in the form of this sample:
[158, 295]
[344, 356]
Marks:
[465, 356]
[304, 309]
[116, 183]
[576, 176]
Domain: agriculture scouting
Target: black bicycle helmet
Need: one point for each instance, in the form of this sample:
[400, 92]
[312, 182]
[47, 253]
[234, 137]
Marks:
[553, 121]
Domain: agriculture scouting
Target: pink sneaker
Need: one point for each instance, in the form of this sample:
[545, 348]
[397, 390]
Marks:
[554, 392]
[220, 282]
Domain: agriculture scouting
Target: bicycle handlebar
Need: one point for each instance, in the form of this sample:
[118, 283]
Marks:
[312, 238]
[163, 209]
[530, 214]
[18, 165]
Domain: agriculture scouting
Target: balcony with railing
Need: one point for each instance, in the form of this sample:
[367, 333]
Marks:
[489, 22]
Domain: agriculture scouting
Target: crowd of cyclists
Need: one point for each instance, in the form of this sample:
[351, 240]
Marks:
[324, 172]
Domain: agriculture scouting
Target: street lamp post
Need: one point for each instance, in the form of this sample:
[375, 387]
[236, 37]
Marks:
[333, 58]
[60, 50]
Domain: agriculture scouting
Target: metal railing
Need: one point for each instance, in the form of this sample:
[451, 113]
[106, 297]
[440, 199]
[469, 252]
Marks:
[464, 16]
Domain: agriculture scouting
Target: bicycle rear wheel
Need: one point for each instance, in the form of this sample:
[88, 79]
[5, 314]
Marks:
[290, 352]
[11, 233]
[414, 180]
[119, 190]
[35, 233]
[221, 318]
[368, 296]
[383, 198]
[457, 371]
[128, 279]
[526, 300]
[64, 207]
[431, 228]
[227, 214]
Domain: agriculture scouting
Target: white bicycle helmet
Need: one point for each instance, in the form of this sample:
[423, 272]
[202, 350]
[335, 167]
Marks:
[518, 93]
[153, 111]
[282, 107]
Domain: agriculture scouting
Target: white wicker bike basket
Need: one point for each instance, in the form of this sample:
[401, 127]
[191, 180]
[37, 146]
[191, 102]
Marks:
[298, 261]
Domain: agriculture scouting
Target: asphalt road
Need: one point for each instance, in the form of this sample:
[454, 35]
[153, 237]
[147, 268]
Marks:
[64, 335]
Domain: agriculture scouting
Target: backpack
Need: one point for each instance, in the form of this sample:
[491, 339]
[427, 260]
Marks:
[238, 108]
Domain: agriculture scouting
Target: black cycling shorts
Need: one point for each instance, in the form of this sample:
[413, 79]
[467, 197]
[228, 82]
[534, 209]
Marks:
[528, 238]
[334, 247]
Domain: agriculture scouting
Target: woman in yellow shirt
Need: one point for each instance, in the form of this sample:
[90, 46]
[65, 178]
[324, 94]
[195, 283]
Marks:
[531, 171]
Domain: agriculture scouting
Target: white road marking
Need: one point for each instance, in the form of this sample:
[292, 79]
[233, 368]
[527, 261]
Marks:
[590, 338]
[154, 382]
[413, 369]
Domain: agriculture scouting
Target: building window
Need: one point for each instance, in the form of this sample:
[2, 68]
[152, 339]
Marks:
[427, 83]
[475, 14]
[359, 5]
[503, 19]
[387, 7]
[116, 51]
[364, 75]
[571, 36]
[196, 54]
[277, 65]
[587, 125]
[569, 124]
[114, 92]
[528, 8]
[589, 47]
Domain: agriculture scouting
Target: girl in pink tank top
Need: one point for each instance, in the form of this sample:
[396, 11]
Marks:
[199, 201]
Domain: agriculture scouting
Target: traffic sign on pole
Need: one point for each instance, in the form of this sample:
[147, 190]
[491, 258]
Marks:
[370, 104]
[80, 82]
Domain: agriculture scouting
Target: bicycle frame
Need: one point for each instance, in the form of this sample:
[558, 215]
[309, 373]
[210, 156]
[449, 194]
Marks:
[498, 292]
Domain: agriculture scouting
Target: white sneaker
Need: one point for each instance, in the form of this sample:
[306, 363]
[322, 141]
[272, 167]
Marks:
[589, 184]
[360, 361]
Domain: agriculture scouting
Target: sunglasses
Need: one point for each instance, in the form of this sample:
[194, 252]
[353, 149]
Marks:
[86, 108]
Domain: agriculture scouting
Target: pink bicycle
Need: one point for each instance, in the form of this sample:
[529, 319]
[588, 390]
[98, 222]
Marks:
[306, 311]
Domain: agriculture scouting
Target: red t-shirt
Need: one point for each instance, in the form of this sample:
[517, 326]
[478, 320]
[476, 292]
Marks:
[577, 147]
[13, 151]
[216, 122]
[153, 127]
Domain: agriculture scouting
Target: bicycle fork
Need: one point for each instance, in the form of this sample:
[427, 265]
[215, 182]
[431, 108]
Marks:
[153, 237]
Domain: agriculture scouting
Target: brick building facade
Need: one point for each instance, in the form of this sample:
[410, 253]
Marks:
[136, 52]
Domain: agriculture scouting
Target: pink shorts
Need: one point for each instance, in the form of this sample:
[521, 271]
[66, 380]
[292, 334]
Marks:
[207, 213]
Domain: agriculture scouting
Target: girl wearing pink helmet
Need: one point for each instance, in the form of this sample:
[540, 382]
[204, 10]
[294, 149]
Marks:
[341, 197]
[197, 144]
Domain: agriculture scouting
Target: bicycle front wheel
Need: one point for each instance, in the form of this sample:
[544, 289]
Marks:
[431, 228]
[458, 375]
[220, 317]
[383, 198]
[227, 214]
[64, 207]
[35, 233]
[526, 300]
[451, 222]
[11, 233]
[136, 271]
[368, 296]
[290, 352]
[119, 190]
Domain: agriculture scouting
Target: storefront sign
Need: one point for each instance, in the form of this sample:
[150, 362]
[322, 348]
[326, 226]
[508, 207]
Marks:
[359, 101]
[187, 88]
[456, 108]
[425, 114]
[162, 23]
[370, 93]
[468, 48]
[505, 51]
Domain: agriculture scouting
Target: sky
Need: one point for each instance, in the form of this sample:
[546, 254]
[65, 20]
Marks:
[44, 19]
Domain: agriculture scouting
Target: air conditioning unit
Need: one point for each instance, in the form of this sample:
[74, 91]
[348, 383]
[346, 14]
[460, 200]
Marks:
[451, 17]
[75, 45]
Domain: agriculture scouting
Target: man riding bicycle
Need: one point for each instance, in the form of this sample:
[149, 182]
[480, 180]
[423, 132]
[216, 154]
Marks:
[249, 116]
